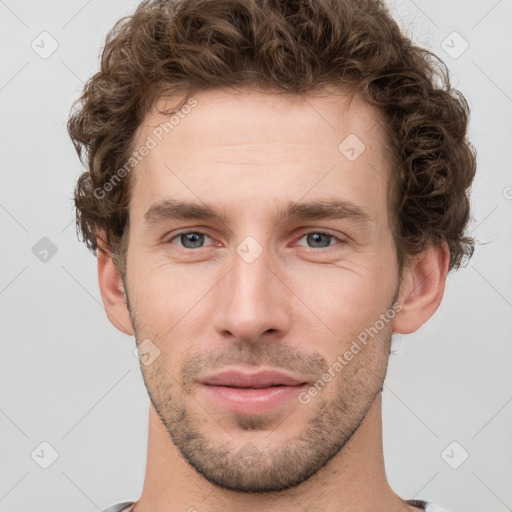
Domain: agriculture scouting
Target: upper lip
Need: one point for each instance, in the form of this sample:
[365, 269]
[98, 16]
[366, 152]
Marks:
[261, 379]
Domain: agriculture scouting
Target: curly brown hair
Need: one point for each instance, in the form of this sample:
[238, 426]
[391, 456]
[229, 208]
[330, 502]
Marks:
[180, 47]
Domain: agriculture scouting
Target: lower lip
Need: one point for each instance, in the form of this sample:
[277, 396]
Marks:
[253, 401]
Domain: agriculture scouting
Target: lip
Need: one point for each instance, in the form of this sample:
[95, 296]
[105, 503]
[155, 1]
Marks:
[251, 393]
[261, 379]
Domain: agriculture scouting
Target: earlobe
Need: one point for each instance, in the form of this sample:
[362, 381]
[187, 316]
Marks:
[112, 289]
[422, 288]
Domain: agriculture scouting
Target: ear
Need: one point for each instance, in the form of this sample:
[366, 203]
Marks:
[111, 288]
[422, 288]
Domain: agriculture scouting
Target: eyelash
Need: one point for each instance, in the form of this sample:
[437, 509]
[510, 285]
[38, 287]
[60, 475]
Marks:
[315, 232]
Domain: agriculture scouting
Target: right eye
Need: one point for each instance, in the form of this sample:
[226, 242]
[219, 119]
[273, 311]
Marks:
[189, 239]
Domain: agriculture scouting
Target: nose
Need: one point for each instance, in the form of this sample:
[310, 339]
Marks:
[252, 301]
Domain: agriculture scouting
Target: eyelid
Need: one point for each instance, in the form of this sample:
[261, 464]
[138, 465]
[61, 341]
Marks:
[302, 235]
[321, 232]
[168, 240]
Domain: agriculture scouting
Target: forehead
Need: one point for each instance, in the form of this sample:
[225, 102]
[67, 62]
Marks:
[248, 117]
[259, 145]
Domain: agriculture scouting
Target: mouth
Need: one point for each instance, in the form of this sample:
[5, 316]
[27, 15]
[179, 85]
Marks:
[255, 393]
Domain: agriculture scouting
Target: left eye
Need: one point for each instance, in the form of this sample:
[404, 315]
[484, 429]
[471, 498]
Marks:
[318, 239]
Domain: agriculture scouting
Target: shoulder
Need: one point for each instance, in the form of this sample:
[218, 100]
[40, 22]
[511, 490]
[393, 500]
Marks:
[119, 507]
[432, 507]
[427, 506]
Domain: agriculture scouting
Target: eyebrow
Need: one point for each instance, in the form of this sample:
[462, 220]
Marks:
[335, 208]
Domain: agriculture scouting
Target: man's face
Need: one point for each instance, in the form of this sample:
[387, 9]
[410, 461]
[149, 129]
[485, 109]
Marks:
[256, 292]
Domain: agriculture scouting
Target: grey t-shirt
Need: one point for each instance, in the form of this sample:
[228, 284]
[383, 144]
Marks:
[427, 506]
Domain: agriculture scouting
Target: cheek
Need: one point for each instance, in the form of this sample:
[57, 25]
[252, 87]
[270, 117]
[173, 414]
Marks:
[341, 294]
[347, 306]
[164, 295]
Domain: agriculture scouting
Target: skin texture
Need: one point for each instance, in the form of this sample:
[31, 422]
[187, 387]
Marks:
[296, 307]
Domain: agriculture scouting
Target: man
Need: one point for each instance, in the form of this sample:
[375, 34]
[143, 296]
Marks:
[273, 190]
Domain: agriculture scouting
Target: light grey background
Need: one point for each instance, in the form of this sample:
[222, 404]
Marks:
[68, 378]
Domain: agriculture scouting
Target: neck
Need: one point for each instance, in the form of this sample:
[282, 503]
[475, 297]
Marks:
[354, 479]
